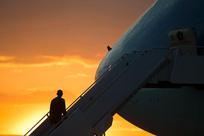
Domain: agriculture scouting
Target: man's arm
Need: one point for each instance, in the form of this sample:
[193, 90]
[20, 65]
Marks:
[51, 106]
[64, 108]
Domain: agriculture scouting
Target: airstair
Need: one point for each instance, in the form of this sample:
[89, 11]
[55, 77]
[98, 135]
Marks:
[91, 113]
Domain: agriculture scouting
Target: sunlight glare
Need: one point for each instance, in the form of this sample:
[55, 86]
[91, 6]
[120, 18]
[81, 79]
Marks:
[30, 119]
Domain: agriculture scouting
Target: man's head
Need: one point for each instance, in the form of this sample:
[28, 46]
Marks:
[59, 93]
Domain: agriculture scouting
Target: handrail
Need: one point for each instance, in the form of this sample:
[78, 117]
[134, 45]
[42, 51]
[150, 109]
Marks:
[76, 100]
[46, 115]
[81, 96]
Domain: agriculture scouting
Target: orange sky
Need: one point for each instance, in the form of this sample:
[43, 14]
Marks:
[50, 44]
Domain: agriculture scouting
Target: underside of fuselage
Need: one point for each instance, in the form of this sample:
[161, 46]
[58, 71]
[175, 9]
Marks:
[167, 111]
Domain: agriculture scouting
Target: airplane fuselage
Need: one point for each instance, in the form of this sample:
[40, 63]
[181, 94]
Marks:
[176, 109]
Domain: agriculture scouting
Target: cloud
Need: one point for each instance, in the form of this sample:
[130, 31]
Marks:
[6, 58]
[66, 60]
[77, 75]
[32, 90]
[33, 96]
[46, 61]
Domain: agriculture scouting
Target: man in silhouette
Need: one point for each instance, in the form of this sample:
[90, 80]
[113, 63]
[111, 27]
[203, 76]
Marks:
[57, 108]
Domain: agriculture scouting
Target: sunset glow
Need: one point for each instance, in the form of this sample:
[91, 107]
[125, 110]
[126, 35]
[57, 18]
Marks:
[50, 45]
